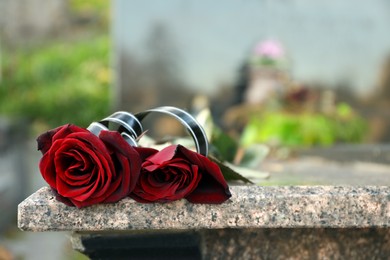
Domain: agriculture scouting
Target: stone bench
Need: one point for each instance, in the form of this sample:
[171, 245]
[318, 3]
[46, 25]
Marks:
[295, 222]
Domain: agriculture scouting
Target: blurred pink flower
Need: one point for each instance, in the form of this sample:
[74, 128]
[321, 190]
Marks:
[270, 48]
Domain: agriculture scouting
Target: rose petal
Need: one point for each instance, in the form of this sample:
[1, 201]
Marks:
[209, 191]
[65, 190]
[45, 141]
[164, 155]
[102, 162]
[127, 164]
[145, 152]
[83, 169]
[48, 171]
[166, 177]
[212, 188]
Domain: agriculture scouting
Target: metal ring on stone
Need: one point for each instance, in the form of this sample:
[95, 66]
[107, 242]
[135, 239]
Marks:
[193, 127]
[125, 123]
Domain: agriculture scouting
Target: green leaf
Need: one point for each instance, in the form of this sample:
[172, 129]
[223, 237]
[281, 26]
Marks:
[229, 173]
[223, 145]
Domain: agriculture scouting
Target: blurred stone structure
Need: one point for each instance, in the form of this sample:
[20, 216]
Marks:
[13, 169]
[377, 106]
[262, 83]
[267, 73]
[24, 21]
[154, 81]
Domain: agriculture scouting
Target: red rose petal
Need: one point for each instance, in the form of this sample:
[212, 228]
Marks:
[84, 169]
[162, 156]
[64, 189]
[48, 171]
[45, 141]
[102, 181]
[145, 152]
[212, 188]
[128, 164]
[209, 191]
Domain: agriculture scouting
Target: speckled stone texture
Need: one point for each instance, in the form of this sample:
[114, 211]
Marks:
[313, 222]
[249, 207]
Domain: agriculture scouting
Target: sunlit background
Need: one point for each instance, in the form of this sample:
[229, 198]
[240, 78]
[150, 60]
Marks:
[287, 79]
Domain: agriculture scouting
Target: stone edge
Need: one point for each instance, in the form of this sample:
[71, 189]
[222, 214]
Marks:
[249, 207]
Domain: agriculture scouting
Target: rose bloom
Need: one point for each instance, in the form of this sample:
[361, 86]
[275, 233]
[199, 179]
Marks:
[176, 172]
[84, 169]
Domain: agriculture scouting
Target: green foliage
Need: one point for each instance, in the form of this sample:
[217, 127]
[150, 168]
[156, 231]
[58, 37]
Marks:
[61, 83]
[228, 173]
[305, 129]
[97, 6]
[222, 145]
[96, 10]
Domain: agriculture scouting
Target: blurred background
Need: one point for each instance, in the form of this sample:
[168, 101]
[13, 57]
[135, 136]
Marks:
[304, 84]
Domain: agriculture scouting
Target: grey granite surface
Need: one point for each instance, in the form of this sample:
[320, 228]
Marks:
[249, 207]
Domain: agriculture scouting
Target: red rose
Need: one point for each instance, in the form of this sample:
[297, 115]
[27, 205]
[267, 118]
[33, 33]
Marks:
[176, 172]
[85, 169]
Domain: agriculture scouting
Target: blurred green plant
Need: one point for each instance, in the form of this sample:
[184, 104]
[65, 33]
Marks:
[65, 82]
[97, 11]
[306, 128]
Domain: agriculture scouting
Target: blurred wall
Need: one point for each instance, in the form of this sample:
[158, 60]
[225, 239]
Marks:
[24, 21]
[205, 42]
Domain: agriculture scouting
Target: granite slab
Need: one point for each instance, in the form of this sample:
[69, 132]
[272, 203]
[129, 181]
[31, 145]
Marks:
[249, 207]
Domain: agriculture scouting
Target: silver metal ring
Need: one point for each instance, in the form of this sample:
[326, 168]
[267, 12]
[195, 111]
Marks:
[124, 122]
[95, 128]
[130, 140]
[193, 127]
